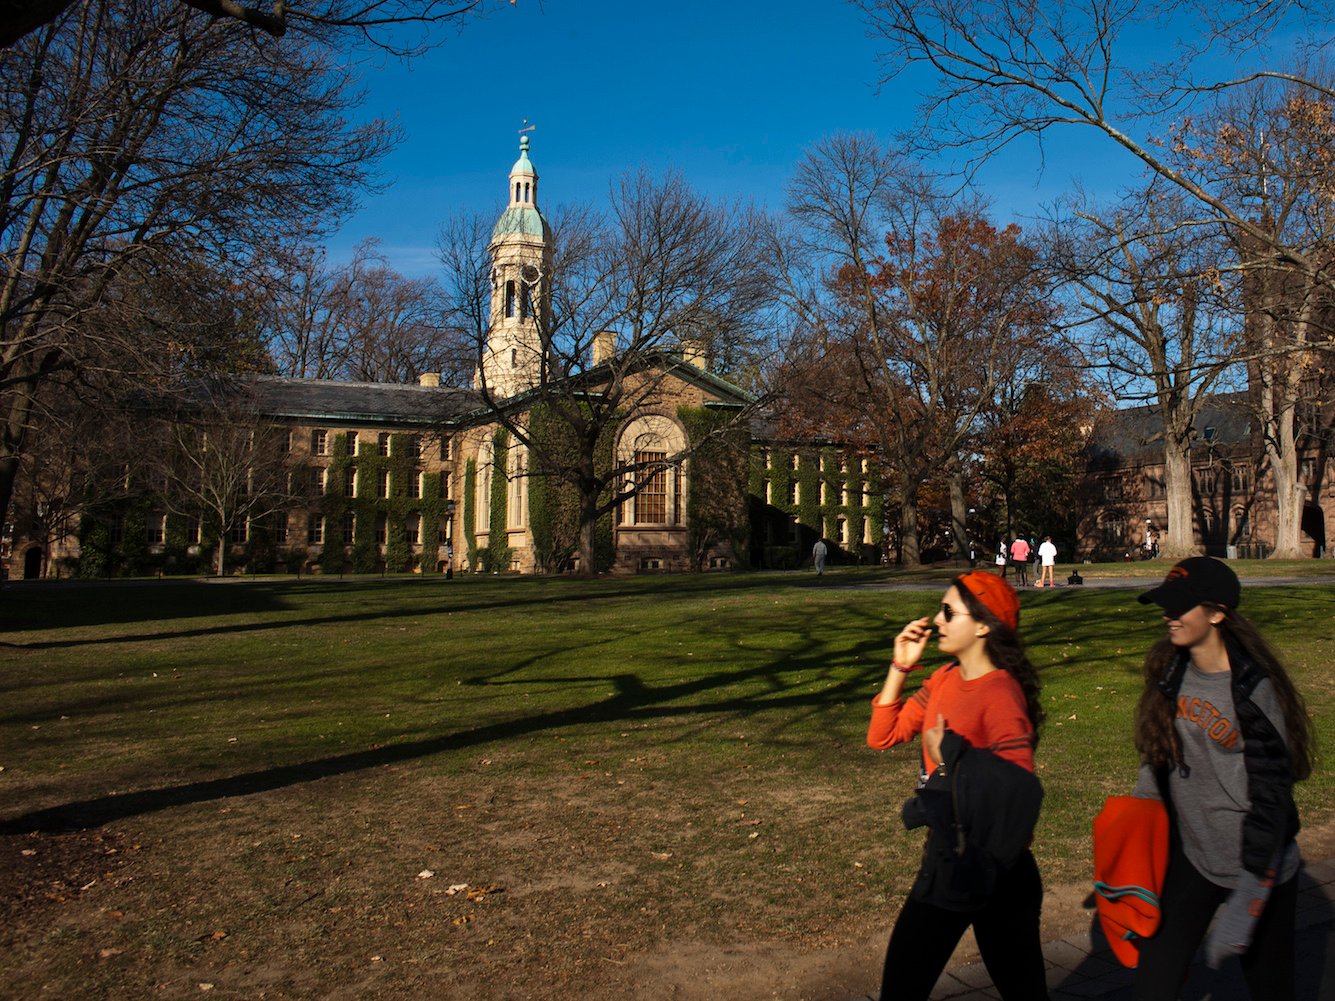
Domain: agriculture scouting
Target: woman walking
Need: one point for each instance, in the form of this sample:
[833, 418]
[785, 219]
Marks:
[1222, 735]
[978, 717]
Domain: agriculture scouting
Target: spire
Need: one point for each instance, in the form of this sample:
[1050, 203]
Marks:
[523, 179]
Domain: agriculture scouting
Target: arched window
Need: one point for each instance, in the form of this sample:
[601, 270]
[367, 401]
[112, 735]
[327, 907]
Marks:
[510, 298]
[645, 449]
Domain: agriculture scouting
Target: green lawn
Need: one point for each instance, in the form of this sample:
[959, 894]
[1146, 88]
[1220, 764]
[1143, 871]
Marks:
[632, 763]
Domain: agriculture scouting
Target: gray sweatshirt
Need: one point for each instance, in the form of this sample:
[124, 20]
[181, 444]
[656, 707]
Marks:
[1210, 791]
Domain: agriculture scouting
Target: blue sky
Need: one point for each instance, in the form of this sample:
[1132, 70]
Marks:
[730, 94]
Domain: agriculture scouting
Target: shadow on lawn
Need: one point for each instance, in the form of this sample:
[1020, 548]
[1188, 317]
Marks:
[43, 611]
[796, 685]
[631, 701]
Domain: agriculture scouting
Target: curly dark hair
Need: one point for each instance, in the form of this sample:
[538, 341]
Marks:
[1156, 736]
[1003, 648]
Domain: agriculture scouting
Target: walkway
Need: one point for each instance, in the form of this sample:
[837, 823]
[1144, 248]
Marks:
[1082, 967]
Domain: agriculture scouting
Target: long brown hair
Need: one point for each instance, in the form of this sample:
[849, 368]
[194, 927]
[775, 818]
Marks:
[1003, 648]
[1156, 737]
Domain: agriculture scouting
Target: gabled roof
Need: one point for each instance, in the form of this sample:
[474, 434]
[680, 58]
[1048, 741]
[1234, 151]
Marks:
[1134, 435]
[327, 401]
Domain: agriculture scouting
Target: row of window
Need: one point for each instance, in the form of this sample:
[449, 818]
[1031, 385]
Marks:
[322, 442]
[826, 494]
[156, 530]
[319, 482]
[839, 465]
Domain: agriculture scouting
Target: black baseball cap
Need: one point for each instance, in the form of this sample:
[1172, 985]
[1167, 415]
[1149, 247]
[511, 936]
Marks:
[1195, 581]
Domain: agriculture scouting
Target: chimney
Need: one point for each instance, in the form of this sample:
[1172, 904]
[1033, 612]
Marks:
[693, 353]
[429, 379]
[604, 346]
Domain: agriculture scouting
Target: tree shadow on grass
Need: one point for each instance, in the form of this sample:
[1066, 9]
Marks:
[195, 601]
[632, 701]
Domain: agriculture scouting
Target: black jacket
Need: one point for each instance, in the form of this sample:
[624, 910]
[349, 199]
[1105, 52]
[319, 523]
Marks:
[1272, 819]
[980, 810]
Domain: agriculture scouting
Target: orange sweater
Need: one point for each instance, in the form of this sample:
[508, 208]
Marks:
[989, 712]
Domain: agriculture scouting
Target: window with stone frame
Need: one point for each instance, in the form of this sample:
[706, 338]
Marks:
[239, 532]
[280, 528]
[413, 528]
[350, 442]
[350, 481]
[315, 529]
[382, 483]
[319, 442]
[349, 527]
[317, 480]
[1240, 479]
[651, 500]
[382, 443]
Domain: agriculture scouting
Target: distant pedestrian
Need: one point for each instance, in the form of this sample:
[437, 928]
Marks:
[973, 554]
[1223, 735]
[1020, 560]
[818, 554]
[1003, 556]
[1047, 559]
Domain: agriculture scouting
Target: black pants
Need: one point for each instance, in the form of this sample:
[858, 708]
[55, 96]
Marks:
[1006, 929]
[1189, 901]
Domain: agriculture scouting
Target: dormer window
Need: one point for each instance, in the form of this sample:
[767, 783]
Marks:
[1209, 434]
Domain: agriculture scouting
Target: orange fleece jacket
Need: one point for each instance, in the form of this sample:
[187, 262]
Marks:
[989, 712]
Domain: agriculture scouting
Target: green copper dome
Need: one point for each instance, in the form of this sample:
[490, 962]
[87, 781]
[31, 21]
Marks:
[521, 220]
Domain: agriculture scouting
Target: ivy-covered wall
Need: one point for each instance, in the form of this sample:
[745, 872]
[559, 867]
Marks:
[717, 513]
[816, 517]
[404, 469]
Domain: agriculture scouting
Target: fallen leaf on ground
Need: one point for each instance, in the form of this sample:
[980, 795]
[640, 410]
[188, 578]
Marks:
[462, 919]
[661, 856]
[425, 874]
[456, 888]
[108, 953]
[478, 892]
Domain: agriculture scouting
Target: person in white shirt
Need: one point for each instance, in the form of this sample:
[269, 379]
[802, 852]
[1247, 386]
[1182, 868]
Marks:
[1047, 557]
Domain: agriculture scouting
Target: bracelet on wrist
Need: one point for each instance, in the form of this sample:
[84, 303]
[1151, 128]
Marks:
[901, 668]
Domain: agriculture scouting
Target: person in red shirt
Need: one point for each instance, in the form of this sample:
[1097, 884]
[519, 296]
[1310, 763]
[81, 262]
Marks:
[989, 696]
[1020, 559]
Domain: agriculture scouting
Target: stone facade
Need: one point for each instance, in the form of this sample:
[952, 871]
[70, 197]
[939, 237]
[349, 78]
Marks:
[1232, 495]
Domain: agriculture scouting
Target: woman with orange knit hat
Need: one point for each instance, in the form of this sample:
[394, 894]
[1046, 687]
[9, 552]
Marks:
[977, 793]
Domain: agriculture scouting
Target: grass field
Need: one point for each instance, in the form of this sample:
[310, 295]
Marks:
[647, 781]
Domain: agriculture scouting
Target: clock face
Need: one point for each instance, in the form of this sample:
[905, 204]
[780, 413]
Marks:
[529, 273]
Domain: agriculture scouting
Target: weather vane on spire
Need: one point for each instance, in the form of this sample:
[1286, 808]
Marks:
[527, 127]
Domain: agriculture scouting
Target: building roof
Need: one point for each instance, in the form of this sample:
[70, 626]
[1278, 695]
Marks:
[373, 403]
[1135, 435]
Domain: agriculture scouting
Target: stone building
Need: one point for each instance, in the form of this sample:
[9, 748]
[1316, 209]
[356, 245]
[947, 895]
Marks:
[1232, 497]
[425, 477]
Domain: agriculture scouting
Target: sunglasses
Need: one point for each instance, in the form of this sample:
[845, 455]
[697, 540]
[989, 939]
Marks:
[948, 612]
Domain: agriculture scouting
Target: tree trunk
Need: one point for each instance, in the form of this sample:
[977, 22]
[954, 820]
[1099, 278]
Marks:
[1281, 454]
[222, 554]
[1177, 539]
[588, 523]
[959, 510]
[910, 552]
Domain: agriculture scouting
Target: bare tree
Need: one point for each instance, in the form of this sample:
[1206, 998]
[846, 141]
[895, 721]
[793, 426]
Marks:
[361, 320]
[1156, 315]
[381, 21]
[217, 461]
[918, 331]
[1016, 70]
[141, 138]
